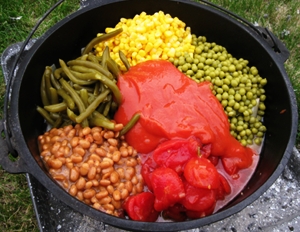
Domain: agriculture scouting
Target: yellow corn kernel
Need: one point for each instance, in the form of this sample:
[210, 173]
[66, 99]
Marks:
[145, 37]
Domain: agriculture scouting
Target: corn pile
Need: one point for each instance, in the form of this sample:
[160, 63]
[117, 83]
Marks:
[148, 37]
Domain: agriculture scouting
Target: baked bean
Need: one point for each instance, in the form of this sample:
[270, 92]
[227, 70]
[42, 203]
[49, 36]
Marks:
[66, 151]
[109, 207]
[69, 165]
[92, 173]
[65, 184]
[139, 187]
[79, 151]
[121, 186]
[66, 129]
[117, 195]
[80, 184]
[108, 134]
[113, 142]
[79, 195]
[94, 200]
[119, 127]
[89, 193]
[84, 143]
[131, 162]
[75, 158]
[62, 159]
[107, 170]
[101, 194]
[74, 141]
[110, 189]
[92, 148]
[55, 163]
[114, 177]
[74, 174]
[130, 150]
[55, 147]
[105, 200]
[86, 130]
[87, 201]
[98, 163]
[124, 194]
[73, 190]
[97, 136]
[95, 157]
[95, 183]
[104, 182]
[123, 151]
[129, 173]
[55, 139]
[128, 185]
[97, 205]
[116, 204]
[134, 180]
[84, 169]
[88, 184]
[45, 153]
[71, 133]
[100, 151]
[121, 172]
[116, 156]
[59, 177]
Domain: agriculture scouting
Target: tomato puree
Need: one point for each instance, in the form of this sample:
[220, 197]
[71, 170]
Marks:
[173, 106]
[182, 134]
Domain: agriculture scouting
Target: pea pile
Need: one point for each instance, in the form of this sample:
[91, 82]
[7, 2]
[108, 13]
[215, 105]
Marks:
[238, 87]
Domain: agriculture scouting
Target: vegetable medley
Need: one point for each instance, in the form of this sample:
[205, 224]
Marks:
[152, 121]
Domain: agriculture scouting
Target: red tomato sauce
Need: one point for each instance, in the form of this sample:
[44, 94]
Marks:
[175, 108]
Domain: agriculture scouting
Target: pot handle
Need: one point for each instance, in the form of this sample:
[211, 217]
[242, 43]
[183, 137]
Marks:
[277, 45]
[14, 164]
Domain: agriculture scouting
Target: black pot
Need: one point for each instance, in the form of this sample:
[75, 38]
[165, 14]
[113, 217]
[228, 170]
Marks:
[67, 37]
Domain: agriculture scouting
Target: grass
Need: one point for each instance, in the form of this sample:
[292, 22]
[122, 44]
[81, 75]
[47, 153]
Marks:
[17, 18]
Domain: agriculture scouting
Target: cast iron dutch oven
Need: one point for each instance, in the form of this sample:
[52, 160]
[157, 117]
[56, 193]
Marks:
[22, 124]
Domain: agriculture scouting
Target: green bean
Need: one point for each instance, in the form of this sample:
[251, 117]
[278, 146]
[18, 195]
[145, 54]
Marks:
[112, 86]
[84, 76]
[56, 107]
[124, 60]
[71, 115]
[105, 57]
[54, 82]
[84, 97]
[48, 85]
[92, 107]
[99, 120]
[45, 114]
[113, 67]
[44, 96]
[57, 73]
[75, 97]
[130, 124]
[71, 76]
[83, 57]
[107, 106]
[99, 39]
[92, 58]
[79, 87]
[53, 95]
[82, 69]
[67, 99]
[97, 89]
[89, 64]
[58, 122]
